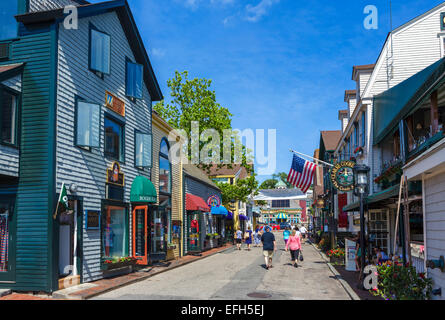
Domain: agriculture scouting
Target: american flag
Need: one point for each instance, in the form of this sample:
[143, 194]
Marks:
[301, 173]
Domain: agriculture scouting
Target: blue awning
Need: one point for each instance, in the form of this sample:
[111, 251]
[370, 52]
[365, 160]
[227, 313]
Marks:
[394, 104]
[221, 210]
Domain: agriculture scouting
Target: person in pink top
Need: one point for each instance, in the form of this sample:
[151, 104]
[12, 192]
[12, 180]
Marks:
[294, 245]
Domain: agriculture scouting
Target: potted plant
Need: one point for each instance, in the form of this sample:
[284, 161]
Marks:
[399, 282]
[336, 256]
[171, 246]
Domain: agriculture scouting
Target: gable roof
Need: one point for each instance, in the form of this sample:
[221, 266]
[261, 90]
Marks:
[193, 171]
[128, 23]
[226, 171]
[365, 67]
[330, 139]
[349, 93]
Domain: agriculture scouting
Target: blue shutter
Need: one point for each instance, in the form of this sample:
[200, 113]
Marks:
[134, 80]
[143, 150]
[88, 125]
[100, 52]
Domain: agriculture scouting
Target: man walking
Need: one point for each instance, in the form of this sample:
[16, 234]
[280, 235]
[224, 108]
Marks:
[269, 246]
[303, 231]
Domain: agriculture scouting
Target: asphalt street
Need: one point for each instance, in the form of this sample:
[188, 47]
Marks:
[240, 275]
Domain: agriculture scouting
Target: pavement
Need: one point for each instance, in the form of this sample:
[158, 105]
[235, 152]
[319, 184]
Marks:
[240, 275]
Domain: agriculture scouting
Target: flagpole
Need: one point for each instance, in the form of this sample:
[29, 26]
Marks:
[58, 201]
[318, 160]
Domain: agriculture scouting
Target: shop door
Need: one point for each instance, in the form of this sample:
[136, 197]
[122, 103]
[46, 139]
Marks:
[379, 229]
[158, 245]
[140, 237]
[193, 238]
[7, 243]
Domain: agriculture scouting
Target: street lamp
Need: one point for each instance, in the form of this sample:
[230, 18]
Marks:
[361, 173]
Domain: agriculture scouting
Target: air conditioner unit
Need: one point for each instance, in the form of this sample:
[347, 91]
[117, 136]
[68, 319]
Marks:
[4, 50]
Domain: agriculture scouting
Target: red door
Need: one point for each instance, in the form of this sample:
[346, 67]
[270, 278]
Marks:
[140, 234]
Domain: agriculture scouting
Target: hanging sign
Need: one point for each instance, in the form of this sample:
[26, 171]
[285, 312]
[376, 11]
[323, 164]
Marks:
[92, 219]
[213, 201]
[114, 175]
[342, 176]
[114, 103]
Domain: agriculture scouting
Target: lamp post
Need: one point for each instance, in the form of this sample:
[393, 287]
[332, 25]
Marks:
[361, 173]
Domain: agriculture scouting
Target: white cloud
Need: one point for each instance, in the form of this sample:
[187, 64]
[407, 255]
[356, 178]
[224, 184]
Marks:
[157, 52]
[255, 13]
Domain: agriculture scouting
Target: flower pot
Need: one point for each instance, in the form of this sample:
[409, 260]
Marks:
[337, 260]
[117, 265]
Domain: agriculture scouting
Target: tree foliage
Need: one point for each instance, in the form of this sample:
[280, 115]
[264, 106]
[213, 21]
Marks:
[268, 184]
[240, 191]
[194, 101]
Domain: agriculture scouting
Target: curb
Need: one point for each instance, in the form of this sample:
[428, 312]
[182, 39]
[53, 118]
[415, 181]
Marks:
[86, 297]
[337, 275]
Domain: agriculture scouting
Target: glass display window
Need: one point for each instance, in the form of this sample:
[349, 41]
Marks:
[115, 233]
[4, 236]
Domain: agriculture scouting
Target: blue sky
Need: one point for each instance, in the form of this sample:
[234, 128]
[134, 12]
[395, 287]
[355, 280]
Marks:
[278, 64]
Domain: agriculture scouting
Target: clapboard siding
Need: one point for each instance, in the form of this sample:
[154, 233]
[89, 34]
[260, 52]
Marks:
[199, 189]
[43, 5]
[84, 168]
[35, 197]
[176, 193]
[434, 218]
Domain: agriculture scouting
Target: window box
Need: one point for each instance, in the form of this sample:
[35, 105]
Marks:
[113, 264]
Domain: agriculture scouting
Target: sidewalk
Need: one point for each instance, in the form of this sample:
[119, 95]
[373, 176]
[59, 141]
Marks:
[86, 291]
[89, 290]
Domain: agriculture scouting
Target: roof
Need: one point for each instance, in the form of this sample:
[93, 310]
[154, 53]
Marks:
[128, 23]
[342, 113]
[280, 184]
[195, 172]
[226, 171]
[349, 93]
[330, 139]
[394, 104]
[365, 67]
[281, 194]
[8, 71]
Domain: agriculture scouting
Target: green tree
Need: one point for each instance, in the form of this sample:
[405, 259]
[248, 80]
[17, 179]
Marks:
[194, 101]
[268, 184]
[283, 177]
[240, 191]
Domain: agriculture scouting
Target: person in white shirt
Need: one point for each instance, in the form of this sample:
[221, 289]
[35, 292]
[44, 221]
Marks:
[303, 231]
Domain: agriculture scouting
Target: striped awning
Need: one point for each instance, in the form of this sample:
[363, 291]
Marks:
[282, 216]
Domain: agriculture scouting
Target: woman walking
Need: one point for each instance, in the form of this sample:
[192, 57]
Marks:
[286, 235]
[294, 245]
[238, 238]
[257, 237]
[249, 233]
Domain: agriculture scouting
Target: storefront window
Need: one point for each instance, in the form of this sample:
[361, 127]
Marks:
[4, 235]
[115, 233]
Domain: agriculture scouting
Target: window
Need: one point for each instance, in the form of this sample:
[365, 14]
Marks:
[88, 125]
[114, 139]
[9, 118]
[280, 203]
[133, 86]
[143, 143]
[164, 168]
[363, 130]
[100, 51]
[115, 233]
[442, 45]
[356, 138]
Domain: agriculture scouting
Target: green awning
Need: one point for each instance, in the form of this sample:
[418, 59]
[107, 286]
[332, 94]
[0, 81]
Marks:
[143, 190]
[394, 104]
[375, 198]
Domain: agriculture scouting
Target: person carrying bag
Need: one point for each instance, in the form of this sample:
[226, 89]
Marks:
[294, 245]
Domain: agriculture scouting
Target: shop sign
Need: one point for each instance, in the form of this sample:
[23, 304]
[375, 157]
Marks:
[92, 219]
[114, 175]
[114, 103]
[342, 176]
[213, 201]
[320, 203]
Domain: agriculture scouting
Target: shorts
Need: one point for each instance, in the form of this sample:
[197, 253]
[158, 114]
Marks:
[303, 235]
[294, 254]
[268, 253]
[238, 241]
